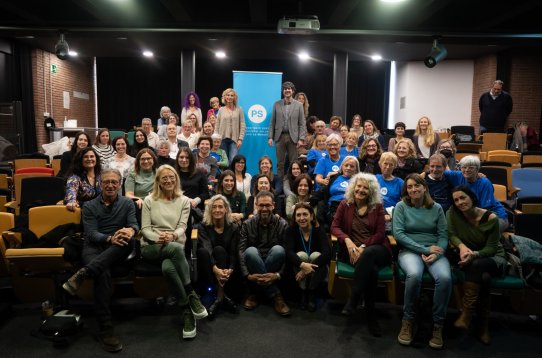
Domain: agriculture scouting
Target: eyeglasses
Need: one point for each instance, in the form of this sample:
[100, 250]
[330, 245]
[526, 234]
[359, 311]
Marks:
[166, 179]
[146, 159]
[110, 182]
[371, 146]
[470, 168]
[264, 206]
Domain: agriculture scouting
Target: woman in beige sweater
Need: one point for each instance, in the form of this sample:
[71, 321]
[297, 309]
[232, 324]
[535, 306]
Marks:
[230, 123]
[163, 225]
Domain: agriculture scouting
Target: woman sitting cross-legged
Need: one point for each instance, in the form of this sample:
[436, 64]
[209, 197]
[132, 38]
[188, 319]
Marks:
[358, 224]
[163, 224]
[475, 232]
[308, 251]
[217, 251]
[419, 226]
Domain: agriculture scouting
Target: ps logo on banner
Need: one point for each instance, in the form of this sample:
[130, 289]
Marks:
[257, 113]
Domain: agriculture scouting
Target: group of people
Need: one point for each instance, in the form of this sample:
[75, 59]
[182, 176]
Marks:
[356, 191]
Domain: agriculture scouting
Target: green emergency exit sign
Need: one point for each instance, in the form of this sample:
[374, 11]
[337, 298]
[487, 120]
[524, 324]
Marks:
[54, 68]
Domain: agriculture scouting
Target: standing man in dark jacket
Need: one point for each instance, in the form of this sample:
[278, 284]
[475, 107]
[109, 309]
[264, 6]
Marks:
[495, 107]
[287, 127]
[262, 255]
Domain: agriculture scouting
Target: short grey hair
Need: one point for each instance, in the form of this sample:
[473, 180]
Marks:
[374, 189]
[146, 120]
[334, 136]
[216, 136]
[163, 109]
[111, 171]
[163, 143]
[470, 161]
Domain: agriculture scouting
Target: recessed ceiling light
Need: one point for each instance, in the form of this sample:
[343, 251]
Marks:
[73, 53]
[121, 38]
[220, 54]
[25, 37]
[303, 56]
[392, 1]
[376, 57]
[148, 54]
[212, 39]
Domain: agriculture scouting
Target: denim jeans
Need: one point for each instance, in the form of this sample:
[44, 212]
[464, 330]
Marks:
[413, 266]
[230, 147]
[273, 262]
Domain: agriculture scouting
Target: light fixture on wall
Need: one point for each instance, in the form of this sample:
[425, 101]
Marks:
[437, 54]
[62, 50]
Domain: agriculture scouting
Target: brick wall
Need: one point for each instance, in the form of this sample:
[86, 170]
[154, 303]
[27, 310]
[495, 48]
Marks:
[525, 86]
[485, 69]
[72, 75]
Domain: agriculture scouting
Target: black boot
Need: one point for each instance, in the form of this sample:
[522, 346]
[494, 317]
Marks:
[372, 323]
[229, 305]
[213, 309]
[303, 300]
[311, 301]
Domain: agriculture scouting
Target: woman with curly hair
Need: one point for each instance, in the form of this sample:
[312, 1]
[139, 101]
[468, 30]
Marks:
[84, 179]
[358, 224]
[191, 105]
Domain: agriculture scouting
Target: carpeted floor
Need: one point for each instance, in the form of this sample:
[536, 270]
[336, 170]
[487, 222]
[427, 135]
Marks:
[151, 331]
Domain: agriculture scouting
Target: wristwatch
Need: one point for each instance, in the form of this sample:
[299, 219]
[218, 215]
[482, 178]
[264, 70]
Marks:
[363, 246]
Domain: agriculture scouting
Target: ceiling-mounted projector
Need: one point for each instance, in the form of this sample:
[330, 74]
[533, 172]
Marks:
[298, 25]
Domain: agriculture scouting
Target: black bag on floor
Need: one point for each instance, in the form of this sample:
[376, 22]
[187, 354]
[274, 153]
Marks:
[60, 328]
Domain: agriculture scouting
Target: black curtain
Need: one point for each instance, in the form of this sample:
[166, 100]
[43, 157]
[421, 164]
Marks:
[22, 90]
[130, 89]
[368, 91]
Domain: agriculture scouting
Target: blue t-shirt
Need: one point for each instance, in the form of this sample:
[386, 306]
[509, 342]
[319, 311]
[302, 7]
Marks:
[338, 189]
[483, 189]
[316, 155]
[343, 152]
[390, 190]
[326, 165]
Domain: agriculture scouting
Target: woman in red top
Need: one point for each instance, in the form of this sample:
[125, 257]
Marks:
[359, 227]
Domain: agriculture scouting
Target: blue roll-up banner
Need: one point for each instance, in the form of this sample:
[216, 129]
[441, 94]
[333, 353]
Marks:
[257, 92]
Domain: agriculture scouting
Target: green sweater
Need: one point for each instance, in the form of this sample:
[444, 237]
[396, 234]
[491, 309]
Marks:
[484, 238]
[164, 215]
[140, 184]
[417, 229]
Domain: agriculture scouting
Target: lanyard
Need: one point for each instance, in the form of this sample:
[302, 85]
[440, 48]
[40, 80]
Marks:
[307, 250]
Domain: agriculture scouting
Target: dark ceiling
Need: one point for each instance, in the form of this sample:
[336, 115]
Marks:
[248, 28]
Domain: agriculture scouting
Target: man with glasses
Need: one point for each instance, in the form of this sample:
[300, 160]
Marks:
[110, 226]
[262, 255]
[287, 127]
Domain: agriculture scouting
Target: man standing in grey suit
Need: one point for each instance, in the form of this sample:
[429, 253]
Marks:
[287, 127]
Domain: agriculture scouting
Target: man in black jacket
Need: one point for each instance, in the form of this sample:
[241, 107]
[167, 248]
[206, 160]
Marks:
[495, 106]
[262, 255]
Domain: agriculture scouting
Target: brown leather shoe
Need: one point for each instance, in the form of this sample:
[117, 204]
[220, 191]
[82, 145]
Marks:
[251, 302]
[280, 306]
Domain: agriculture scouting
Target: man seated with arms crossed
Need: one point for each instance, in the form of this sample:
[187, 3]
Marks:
[262, 255]
[110, 226]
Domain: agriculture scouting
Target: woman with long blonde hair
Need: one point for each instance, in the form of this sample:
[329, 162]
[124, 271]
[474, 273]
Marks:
[425, 139]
